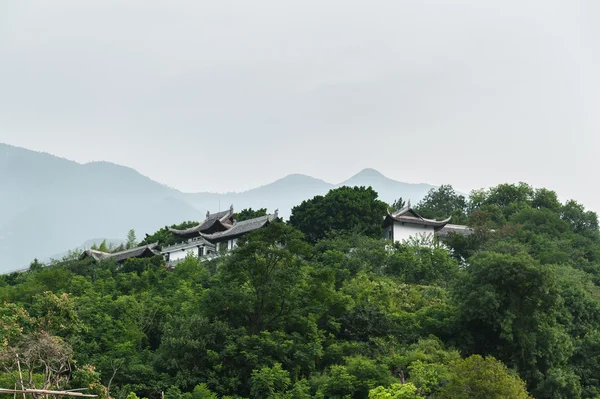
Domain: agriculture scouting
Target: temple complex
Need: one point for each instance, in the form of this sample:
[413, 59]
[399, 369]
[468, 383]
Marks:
[220, 231]
[217, 233]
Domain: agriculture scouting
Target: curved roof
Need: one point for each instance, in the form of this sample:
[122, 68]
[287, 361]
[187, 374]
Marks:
[143, 251]
[409, 215]
[219, 218]
[240, 228]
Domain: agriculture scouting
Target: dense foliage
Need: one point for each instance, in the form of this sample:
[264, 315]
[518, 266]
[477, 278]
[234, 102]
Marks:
[344, 209]
[250, 213]
[322, 308]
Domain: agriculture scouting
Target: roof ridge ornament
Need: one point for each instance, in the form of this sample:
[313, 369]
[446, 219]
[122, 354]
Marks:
[207, 214]
[276, 214]
[231, 208]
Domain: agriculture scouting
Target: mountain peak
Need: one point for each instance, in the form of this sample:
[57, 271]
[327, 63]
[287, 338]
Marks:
[368, 173]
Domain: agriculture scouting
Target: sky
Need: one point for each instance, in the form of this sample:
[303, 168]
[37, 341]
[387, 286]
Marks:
[229, 95]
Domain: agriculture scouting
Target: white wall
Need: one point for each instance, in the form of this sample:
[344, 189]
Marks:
[181, 254]
[403, 232]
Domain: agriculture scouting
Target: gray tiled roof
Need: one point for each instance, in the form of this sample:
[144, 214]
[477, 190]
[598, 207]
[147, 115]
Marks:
[454, 228]
[94, 254]
[409, 215]
[146, 250]
[210, 220]
[240, 228]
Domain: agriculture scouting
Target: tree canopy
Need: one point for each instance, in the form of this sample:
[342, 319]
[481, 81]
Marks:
[344, 209]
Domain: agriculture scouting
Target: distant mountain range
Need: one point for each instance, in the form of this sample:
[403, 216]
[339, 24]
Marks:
[51, 204]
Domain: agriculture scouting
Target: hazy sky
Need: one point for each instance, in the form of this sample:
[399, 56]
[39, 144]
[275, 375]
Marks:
[227, 95]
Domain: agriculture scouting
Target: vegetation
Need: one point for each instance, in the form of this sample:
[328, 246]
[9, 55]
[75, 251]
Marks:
[250, 213]
[323, 308]
[345, 209]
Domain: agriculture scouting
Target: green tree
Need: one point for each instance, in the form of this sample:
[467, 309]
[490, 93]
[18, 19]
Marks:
[367, 374]
[343, 209]
[201, 391]
[249, 213]
[339, 383]
[397, 204]
[270, 382]
[510, 306]
[103, 247]
[476, 377]
[164, 236]
[582, 222]
[396, 391]
[35, 266]
[259, 283]
[131, 240]
[442, 202]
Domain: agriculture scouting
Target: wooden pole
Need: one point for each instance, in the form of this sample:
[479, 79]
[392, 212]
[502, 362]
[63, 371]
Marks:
[47, 392]
[21, 376]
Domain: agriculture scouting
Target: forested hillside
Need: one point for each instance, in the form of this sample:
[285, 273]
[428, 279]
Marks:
[323, 308]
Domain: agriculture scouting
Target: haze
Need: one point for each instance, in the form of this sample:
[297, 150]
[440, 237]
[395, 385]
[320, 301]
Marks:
[229, 95]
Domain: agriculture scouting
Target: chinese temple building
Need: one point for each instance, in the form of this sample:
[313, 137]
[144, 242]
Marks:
[218, 232]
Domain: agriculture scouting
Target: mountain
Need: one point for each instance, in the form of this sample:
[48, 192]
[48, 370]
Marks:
[282, 194]
[53, 204]
[388, 189]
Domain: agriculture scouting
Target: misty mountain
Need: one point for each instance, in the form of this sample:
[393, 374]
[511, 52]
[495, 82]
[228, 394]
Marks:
[50, 205]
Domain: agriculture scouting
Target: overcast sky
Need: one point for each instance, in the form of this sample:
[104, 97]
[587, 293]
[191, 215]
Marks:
[227, 95]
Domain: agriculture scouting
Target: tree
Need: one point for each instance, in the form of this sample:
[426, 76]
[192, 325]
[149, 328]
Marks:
[367, 374]
[442, 202]
[36, 266]
[396, 391]
[201, 391]
[131, 239]
[164, 237]
[544, 198]
[397, 204]
[249, 213]
[582, 222]
[509, 306]
[339, 383]
[343, 209]
[270, 382]
[45, 361]
[103, 247]
[258, 283]
[476, 377]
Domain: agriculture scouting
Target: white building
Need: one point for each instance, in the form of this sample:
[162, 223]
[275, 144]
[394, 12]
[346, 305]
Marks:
[406, 223]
